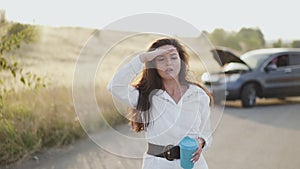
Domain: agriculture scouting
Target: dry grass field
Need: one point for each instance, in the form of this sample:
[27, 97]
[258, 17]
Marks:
[86, 60]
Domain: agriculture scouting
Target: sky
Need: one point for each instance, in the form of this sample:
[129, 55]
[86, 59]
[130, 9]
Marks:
[276, 19]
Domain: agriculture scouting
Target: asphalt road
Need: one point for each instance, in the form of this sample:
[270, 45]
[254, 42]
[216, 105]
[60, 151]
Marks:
[264, 137]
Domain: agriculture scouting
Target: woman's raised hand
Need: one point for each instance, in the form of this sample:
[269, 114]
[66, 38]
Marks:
[149, 56]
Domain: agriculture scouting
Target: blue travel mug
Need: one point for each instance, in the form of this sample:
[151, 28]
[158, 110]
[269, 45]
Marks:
[188, 146]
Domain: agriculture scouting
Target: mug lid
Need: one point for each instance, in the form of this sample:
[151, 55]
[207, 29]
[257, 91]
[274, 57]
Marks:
[188, 143]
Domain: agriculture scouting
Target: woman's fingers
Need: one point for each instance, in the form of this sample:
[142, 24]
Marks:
[196, 155]
[149, 56]
[162, 51]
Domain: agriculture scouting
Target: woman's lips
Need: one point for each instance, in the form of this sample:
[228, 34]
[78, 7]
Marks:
[169, 70]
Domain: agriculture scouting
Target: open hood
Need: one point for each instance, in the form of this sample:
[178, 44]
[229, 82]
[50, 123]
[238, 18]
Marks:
[223, 56]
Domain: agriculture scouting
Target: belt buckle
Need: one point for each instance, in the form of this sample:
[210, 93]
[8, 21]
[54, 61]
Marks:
[167, 152]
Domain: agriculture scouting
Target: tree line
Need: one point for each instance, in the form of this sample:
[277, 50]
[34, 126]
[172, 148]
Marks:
[245, 39]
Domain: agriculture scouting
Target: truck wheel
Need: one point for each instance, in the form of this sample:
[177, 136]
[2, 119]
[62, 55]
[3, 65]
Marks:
[248, 95]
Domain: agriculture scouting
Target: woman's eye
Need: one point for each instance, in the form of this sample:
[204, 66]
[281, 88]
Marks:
[160, 59]
[174, 56]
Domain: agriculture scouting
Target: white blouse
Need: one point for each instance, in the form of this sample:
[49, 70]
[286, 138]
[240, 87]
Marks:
[169, 121]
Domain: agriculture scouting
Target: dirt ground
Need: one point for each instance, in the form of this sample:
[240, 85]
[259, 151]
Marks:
[264, 137]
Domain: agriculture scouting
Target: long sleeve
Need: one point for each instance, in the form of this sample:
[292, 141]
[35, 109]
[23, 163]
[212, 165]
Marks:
[205, 128]
[120, 86]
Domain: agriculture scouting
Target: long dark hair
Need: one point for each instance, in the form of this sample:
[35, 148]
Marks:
[151, 81]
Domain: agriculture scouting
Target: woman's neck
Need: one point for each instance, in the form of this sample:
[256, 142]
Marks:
[171, 86]
[174, 89]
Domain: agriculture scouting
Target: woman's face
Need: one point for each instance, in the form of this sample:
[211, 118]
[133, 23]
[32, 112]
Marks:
[169, 64]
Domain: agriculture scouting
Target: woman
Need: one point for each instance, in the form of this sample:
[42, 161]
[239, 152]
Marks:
[165, 105]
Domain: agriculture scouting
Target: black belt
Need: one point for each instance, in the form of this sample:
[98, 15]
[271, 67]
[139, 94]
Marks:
[169, 152]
